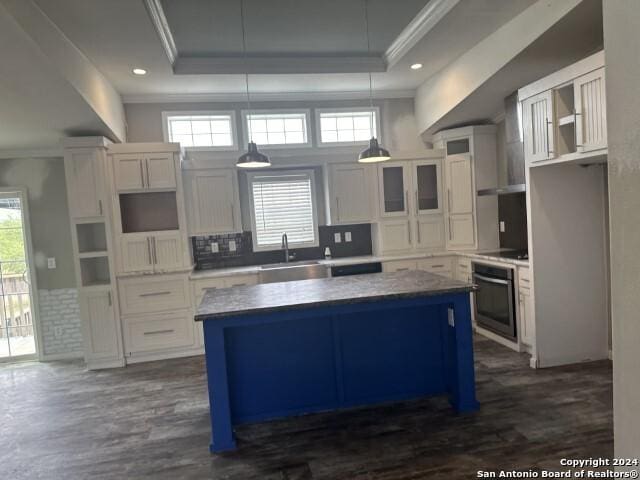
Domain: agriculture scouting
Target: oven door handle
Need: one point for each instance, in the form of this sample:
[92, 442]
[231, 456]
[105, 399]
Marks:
[491, 280]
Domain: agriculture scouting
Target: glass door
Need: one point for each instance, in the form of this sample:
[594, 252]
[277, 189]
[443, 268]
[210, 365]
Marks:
[17, 333]
[427, 187]
[394, 191]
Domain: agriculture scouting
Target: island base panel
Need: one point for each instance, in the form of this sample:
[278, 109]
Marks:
[274, 365]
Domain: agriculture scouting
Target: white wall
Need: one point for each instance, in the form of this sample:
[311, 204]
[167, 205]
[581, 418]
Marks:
[622, 43]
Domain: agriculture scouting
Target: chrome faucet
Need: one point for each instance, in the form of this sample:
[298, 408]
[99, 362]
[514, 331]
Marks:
[285, 247]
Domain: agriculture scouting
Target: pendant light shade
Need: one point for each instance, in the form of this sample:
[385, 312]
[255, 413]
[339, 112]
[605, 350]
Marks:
[374, 153]
[253, 158]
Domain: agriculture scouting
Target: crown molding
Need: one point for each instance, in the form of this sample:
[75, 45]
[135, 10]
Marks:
[160, 23]
[498, 117]
[427, 18]
[264, 97]
[50, 152]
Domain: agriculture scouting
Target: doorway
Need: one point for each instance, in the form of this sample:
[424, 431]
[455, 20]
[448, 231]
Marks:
[18, 335]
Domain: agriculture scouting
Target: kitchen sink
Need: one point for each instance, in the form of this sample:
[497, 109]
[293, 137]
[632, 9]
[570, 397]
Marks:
[287, 272]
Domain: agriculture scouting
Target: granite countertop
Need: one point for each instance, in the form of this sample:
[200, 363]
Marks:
[271, 297]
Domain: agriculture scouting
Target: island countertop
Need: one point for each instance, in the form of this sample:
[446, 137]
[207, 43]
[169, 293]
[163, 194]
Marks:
[271, 297]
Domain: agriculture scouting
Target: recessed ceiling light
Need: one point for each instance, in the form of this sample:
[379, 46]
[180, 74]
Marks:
[142, 71]
[416, 66]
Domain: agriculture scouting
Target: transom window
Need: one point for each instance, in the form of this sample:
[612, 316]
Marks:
[277, 128]
[283, 202]
[208, 130]
[347, 126]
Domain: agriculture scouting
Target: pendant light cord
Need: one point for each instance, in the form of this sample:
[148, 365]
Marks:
[366, 23]
[246, 74]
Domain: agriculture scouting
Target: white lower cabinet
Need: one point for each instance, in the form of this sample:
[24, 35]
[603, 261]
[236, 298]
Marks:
[100, 329]
[438, 265]
[463, 270]
[157, 316]
[149, 333]
[525, 308]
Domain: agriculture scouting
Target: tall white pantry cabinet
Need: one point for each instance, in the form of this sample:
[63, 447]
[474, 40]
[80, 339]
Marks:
[132, 257]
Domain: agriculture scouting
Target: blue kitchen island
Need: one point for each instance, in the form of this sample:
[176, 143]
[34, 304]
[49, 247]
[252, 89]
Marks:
[281, 349]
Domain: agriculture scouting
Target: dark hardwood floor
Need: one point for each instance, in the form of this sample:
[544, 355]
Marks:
[58, 421]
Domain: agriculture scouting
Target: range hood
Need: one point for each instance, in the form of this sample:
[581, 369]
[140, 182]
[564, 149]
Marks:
[513, 171]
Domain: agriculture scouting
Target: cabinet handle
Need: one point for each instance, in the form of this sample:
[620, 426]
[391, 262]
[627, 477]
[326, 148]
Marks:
[417, 203]
[147, 165]
[239, 285]
[109, 298]
[549, 151]
[449, 199]
[575, 128]
[100, 207]
[418, 231]
[159, 332]
[149, 250]
[142, 174]
[155, 252]
[155, 294]
[233, 215]
[450, 230]
[338, 208]
[406, 201]
[437, 266]
[409, 225]
[402, 269]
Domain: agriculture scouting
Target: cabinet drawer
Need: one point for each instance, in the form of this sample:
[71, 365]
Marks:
[201, 286]
[440, 266]
[169, 330]
[153, 294]
[524, 277]
[399, 266]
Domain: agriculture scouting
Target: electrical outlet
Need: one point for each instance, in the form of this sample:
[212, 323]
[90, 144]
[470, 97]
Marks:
[57, 331]
[347, 236]
[232, 245]
[337, 237]
[51, 263]
[215, 248]
[503, 227]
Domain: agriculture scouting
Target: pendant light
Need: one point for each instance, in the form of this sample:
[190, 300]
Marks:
[374, 153]
[253, 158]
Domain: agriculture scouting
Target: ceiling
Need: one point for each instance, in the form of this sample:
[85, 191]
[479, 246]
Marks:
[118, 35]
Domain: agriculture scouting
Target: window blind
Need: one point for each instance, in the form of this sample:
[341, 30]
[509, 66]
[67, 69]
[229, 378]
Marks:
[283, 204]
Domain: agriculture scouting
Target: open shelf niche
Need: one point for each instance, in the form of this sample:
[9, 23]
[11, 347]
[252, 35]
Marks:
[565, 120]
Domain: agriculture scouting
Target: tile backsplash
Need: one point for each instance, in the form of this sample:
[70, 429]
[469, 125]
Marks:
[243, 254]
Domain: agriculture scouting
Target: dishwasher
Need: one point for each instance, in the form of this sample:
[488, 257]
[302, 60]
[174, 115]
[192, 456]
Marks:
[357, 269]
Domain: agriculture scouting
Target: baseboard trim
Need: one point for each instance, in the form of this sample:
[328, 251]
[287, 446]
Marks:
[55, 357]
[152, 357]
[105, 364]
[562, 361]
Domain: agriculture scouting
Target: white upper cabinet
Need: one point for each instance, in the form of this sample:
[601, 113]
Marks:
[84, 173]
[564, 114]
[212, 199]
[591, 111]
[160, 169]
[350, 193]
[538, 127]
[394, 183]
[411, 206]
[427, 186]
[138, 171]
[459, 184]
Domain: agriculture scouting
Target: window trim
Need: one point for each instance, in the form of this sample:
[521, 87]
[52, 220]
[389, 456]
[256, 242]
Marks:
[314, 207]
[194, 113]
[319, 111]
[275, 111]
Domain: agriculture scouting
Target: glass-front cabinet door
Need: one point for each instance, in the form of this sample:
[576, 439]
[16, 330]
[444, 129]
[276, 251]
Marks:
[427, 187]
[394, 194]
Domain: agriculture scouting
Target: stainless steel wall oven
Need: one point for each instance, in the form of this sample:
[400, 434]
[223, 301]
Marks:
[495, 305]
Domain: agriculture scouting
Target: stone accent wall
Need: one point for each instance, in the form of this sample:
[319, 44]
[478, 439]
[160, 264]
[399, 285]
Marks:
[60, 322]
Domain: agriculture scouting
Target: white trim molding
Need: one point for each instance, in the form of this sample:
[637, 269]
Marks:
[159, 20]
[423, 23]
[232, 97]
